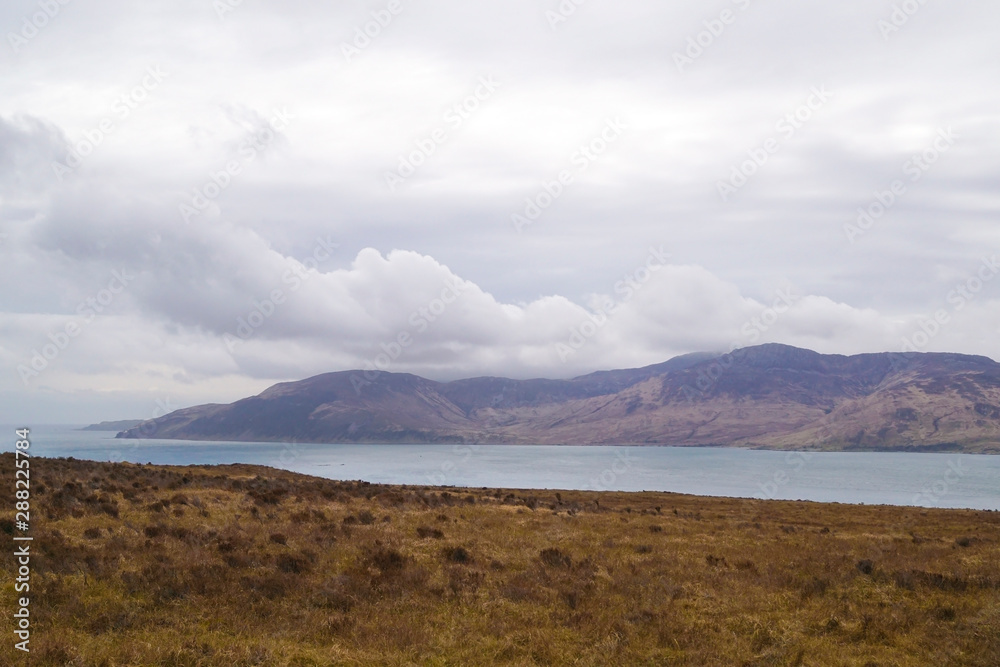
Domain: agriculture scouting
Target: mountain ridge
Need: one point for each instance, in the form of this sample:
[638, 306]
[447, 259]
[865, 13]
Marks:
[766, 396]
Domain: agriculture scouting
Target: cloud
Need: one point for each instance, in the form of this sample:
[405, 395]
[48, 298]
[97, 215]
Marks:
[220, 302]
[321, 183]
[28, 147]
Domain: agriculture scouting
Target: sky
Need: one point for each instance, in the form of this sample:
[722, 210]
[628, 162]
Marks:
[201, 199]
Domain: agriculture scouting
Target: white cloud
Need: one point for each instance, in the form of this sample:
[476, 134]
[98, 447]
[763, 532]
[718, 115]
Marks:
[324, 179]
[243, 326]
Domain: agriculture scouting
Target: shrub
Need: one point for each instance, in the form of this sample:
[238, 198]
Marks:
[555, 558]
[387, 560]
[228, 545]
[336, 594]
[424, 532]
[944, 613]
[238, 561]
[153, 531]
[457, 555]
[157, 506]
[814, 587]
[292, 564]
[271, 587]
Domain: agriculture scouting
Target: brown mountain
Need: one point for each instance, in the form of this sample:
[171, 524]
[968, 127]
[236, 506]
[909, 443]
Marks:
[772, 396]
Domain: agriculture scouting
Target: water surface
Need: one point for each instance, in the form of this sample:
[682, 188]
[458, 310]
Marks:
[929, 480]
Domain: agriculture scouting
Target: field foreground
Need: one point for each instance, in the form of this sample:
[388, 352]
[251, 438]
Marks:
[244, 565]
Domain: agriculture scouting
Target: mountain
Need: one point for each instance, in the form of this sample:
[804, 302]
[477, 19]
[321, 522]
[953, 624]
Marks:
[767, 396]
[112, 426]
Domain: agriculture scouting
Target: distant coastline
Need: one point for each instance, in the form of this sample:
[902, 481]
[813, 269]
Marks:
[116, 426]
[767, 396]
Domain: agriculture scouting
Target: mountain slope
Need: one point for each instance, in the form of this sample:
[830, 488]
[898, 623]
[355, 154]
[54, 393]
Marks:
[112, 426]
[772, 396]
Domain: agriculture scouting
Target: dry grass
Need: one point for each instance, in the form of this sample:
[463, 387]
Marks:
[241, 565]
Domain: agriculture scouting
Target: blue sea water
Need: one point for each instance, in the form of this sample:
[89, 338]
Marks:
[928, 480]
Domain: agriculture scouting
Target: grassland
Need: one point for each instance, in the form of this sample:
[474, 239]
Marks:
[242, 565]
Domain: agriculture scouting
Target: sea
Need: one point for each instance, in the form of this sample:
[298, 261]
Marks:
[872, 478]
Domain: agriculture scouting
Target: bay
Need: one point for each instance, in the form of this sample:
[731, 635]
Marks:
[926, 480]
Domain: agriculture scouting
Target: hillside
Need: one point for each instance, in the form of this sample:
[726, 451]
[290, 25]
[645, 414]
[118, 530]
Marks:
[113, 426]
[243, 565]
[772, 396]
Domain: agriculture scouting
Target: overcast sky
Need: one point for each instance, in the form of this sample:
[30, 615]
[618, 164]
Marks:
[199, 200]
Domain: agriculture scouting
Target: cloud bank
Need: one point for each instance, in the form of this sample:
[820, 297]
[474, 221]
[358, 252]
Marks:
[199, 200]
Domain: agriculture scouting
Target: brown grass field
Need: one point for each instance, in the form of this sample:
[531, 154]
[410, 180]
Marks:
[243, 565]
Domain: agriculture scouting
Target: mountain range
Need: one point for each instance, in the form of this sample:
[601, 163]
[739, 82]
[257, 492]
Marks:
[767, 396]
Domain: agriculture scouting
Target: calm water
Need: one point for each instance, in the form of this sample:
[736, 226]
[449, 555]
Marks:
[930, 480]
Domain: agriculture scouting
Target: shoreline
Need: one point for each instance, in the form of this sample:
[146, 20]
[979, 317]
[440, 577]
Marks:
[217, 564]
[947, 448]
[277, 472]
